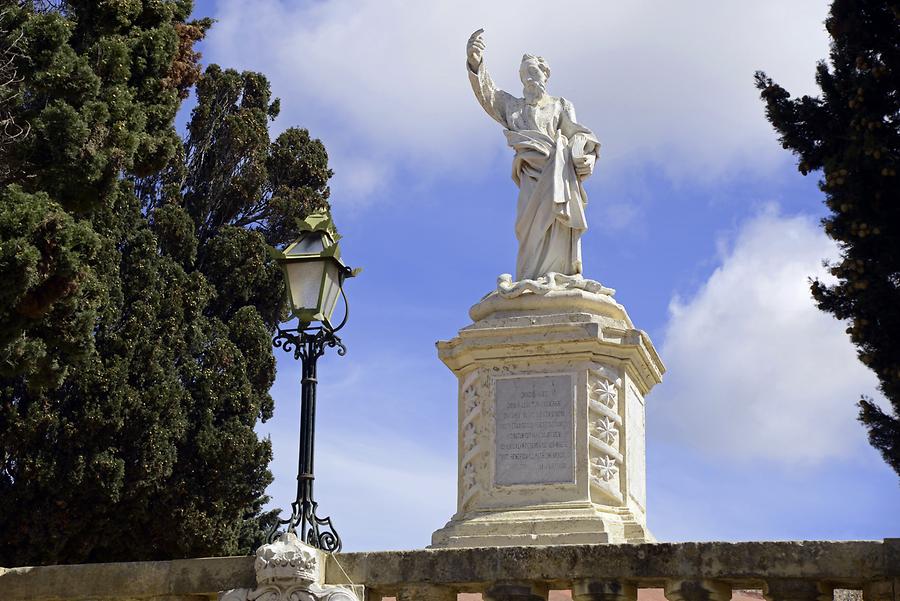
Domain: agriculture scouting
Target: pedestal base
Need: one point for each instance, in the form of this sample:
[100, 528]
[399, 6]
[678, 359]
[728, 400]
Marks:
[572, 524]
[552, 377]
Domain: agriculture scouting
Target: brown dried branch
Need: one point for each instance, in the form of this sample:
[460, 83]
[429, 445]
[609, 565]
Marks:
[11, 130]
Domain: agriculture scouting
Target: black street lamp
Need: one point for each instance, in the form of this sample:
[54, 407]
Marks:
[314, 277]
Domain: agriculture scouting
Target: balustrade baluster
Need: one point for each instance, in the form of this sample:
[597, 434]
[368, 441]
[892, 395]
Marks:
[697, 590]
[797, 590]
[516, 591]
[603, 590]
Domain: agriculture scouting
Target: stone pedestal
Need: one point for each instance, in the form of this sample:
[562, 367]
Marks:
[552, 379]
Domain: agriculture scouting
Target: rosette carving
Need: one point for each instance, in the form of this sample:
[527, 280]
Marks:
[605, 429]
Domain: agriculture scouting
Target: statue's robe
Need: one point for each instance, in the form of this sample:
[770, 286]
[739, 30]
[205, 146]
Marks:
[547, 139]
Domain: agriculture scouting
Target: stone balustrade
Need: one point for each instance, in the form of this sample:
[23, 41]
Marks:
[784, 571]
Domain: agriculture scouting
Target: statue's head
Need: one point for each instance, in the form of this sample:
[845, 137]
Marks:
[534, 73]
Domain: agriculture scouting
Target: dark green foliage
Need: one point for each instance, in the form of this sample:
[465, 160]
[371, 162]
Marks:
[50, 295]
[232, 175]
[139, 300]
[851, 133]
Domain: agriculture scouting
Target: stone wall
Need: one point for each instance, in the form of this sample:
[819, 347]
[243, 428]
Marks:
[785, 571]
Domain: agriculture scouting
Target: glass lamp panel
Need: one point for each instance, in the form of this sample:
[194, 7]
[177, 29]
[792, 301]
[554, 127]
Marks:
[310, 243]
[305, 280]
[332, 288]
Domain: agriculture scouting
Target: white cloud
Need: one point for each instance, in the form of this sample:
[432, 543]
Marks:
[385, 457]
[360, 180]
[756, 371]
[391, 494]
[381, 491]
[616, 215]
[384, 80]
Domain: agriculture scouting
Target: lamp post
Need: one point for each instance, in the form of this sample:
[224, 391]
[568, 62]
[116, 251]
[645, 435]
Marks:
[314, 276]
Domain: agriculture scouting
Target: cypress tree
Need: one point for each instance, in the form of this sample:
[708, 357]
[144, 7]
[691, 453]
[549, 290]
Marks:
[851, 135]
[139, 299]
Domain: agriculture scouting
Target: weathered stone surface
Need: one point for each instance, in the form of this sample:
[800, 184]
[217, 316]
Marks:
[426, 592]
[881, 590]
[872, 566]
[742, 565]
[138, 580]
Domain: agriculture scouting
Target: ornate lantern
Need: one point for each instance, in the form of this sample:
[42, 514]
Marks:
[313, 270]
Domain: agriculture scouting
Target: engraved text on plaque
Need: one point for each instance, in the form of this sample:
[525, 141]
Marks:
[534, 430]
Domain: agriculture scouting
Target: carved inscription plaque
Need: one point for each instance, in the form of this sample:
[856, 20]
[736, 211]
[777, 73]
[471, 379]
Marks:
[534, 430]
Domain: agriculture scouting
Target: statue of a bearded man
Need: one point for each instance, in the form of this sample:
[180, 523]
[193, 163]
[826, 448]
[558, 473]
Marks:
[554, 155]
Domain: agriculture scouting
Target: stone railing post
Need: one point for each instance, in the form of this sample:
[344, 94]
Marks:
[286, 569]
[797, 590]
[697, 590]
[425, 592]
[516, 591]
[603, 590]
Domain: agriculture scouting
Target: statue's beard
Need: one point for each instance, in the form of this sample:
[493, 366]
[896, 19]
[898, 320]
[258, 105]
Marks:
[534, 91]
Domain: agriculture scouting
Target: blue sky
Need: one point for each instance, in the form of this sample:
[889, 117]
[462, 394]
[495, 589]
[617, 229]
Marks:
[698, 220]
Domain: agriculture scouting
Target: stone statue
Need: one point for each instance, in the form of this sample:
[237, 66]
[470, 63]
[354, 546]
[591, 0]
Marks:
[554, 155]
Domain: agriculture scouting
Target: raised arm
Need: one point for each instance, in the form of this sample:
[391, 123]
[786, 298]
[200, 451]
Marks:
[494, 101]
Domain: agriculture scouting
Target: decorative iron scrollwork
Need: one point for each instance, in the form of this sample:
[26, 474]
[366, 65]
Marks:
[307, 343]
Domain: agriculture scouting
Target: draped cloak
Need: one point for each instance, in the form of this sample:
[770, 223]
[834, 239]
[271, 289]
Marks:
[547, 139]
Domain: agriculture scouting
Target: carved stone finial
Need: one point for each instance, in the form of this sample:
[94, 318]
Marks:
[286, 560]
[289, 570]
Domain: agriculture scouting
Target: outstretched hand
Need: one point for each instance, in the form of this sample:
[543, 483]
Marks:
[475, 50]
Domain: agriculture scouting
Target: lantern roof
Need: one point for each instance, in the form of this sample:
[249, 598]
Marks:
[317, 238]
[318, 221]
